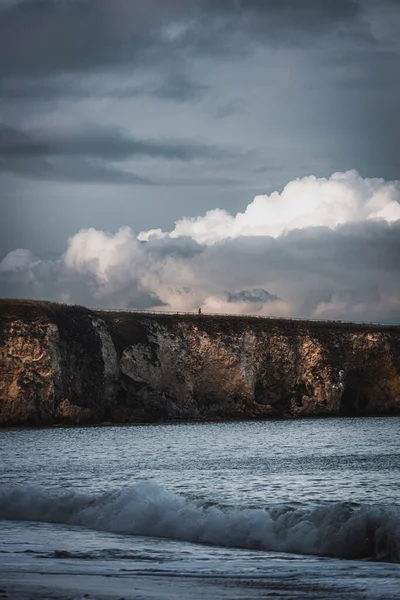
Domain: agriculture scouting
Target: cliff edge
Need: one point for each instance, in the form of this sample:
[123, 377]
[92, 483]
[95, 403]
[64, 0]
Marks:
[71, 365]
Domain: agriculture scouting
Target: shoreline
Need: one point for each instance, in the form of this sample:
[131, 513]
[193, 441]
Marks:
[298, 577]
[107, 424]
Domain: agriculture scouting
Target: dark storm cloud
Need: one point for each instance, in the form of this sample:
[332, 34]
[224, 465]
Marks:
[72, 171]
[174, 86]
[20, 155]
[103, 142]
[40, 37]
[291, 19]
[233, 28]
[45, 36]
[87, 156]
[351, 246]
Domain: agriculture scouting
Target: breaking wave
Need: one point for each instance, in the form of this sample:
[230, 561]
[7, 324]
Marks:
[147, 509]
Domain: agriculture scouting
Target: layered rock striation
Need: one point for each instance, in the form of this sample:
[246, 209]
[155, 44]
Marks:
[64, 364]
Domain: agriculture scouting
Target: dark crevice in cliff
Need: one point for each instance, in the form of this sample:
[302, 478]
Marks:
[304, 389]
[364, 392]
[352, 402]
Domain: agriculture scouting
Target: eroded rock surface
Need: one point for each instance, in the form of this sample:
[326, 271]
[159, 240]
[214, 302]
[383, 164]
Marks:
[64, 364]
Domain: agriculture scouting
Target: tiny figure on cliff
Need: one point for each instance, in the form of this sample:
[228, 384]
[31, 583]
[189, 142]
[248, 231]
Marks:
[199, 311]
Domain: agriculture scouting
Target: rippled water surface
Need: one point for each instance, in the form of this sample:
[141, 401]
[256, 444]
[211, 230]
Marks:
[355, 460]
[235, 497]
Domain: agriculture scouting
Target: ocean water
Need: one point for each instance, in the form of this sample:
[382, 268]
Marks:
[283, 509]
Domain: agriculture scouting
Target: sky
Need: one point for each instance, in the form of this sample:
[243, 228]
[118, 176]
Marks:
[241, 156]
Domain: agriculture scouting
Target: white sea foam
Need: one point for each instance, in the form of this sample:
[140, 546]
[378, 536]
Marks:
[337, 530]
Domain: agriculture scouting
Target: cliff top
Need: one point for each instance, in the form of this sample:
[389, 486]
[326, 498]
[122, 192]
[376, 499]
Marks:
[31, 310]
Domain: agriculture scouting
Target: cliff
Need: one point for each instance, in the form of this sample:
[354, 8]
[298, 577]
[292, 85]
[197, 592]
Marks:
[68, 364]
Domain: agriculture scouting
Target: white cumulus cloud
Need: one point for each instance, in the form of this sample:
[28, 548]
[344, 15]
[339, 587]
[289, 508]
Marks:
[306, 202]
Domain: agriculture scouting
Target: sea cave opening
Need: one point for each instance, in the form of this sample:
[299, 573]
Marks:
[354, 398]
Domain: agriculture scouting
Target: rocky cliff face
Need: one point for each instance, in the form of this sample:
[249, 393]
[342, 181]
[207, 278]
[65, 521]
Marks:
[63, 364]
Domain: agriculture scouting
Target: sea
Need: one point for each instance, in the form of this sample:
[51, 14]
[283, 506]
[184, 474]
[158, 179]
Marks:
[285, 509]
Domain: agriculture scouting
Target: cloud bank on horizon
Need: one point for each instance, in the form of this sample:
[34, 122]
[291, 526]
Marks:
[321, 248]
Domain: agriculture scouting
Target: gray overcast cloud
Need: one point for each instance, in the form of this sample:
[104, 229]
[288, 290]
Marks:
[166, 118]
